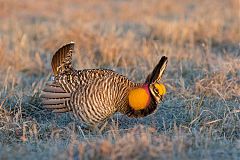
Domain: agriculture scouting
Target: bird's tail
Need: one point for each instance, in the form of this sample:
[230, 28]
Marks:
[62, 59]
[56, 95]
[55, 98]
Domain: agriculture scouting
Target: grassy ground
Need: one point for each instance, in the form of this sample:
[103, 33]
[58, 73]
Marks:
[200, 117]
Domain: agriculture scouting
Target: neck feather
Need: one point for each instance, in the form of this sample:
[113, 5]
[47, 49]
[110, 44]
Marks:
[139, 98]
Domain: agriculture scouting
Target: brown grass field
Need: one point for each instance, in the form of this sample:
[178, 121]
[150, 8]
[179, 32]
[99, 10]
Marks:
[200, 115]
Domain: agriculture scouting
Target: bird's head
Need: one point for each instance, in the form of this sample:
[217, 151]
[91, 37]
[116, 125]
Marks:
[139, 98]
[158, 90]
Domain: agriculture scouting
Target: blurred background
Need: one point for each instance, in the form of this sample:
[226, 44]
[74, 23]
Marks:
[200, 115]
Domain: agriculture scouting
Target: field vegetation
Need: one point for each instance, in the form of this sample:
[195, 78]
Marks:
[200, 115]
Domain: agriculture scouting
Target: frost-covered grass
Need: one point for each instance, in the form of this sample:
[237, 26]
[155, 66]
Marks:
[200, 116]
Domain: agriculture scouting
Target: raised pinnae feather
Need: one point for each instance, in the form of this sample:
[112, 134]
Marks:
[62, 59]
[158, 71]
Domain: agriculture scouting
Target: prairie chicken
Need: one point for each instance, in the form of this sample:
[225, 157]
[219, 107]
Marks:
[93, 95]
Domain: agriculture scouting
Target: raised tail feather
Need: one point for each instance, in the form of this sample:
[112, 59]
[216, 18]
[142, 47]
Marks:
[53, 96]
[62, 59]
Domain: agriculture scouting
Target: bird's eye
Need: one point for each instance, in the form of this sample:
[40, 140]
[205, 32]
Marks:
[155, 90]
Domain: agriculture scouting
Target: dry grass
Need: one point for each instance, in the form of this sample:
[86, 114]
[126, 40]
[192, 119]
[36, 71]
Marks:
[200, 117]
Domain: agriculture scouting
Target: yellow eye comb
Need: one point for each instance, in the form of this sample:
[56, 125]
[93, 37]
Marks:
[161, 88]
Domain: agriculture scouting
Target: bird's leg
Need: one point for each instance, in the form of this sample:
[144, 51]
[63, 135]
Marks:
[103, 126]
[98, 129]
[81, 131]
[93, 129]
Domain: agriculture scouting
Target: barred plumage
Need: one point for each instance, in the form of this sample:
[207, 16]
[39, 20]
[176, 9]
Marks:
[93, 95]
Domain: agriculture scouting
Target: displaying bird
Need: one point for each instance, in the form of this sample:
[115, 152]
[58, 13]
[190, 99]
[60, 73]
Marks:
[94, 95]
